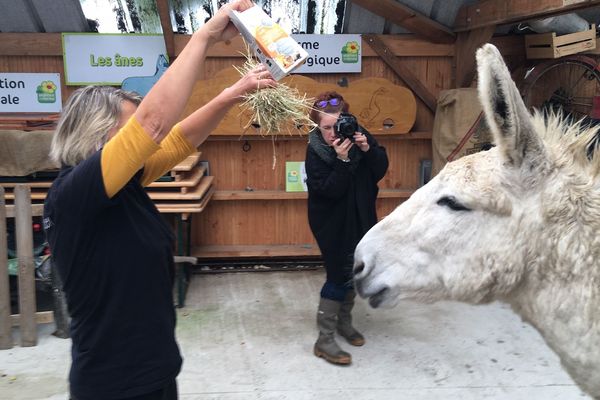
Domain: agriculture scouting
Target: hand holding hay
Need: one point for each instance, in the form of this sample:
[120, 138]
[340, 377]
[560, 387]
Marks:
[276, 107]
[252, 81]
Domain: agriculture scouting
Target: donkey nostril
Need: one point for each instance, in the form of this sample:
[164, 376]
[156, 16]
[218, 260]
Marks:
[358, 268]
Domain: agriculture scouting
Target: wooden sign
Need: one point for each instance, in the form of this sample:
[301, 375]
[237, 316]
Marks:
[379, 105]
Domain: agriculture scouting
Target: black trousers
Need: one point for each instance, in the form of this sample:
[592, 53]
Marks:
[169, 392]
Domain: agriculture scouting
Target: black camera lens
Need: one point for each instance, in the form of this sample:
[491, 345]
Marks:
[345, 126]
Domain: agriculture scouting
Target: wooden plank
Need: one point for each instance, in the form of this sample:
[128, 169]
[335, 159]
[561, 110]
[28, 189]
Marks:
[30, 44]
[37, 210]
[408, 18]
[401, 45]
[258, 195]
[188, 163]
[185, 207]
[193, 194]
[41, 317]
[33, 184]
[167, 28]
[50, 44]
[392, 132]
[499, 12]
[5, 332]
[257, 251]
[402, 71]
[466, 46]
[188, 179]
[395, 193]
[232, 195]
[26, 280]
[38, 196]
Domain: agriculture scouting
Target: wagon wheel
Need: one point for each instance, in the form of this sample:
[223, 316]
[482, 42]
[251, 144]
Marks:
[570, 84]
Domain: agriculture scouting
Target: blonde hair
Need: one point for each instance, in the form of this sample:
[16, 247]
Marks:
[87, 117]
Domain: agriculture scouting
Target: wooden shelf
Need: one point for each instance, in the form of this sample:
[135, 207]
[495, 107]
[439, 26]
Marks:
[283, 195]
[415, 135]
[256, 251]
[258, 195]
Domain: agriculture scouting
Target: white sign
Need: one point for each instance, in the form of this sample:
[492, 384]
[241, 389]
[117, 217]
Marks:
[107, 59]
[330, 53]
[30, 92]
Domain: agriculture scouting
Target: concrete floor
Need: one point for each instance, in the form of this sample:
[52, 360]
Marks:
[247, 336]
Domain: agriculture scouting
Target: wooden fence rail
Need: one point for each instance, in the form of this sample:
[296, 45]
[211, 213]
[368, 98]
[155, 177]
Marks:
[27, 317]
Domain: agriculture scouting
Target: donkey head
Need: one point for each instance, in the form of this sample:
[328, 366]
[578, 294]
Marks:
[464, 236]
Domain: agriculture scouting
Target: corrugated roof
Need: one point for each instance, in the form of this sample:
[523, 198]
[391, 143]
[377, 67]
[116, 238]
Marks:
[42, 16]
[141, 15]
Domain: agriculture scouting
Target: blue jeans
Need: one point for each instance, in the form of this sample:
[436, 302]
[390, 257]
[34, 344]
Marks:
[335, 291]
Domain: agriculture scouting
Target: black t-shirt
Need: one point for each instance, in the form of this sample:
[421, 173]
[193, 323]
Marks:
[115, 260]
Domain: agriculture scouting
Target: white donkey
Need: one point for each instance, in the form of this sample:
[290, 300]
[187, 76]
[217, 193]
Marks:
[519, 223]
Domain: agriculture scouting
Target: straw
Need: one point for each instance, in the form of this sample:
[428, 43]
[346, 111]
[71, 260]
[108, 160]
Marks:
[276, 109]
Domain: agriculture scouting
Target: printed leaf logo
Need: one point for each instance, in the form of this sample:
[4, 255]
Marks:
[46, 92]
[350, 52]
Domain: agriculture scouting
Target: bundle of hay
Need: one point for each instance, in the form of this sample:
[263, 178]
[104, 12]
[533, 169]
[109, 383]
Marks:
[276, 110]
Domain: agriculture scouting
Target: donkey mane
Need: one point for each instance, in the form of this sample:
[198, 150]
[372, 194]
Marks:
[572, 145]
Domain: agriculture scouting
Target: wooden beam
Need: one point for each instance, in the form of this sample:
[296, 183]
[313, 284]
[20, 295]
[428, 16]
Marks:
[466, 45]
[402, 71]
[261, 251]
[5, 332]
[167, 28]
[30, 44]
[40, 317]
[408, 18]
[26, 278]
[37, 210]
[49, 44]
[498, 12]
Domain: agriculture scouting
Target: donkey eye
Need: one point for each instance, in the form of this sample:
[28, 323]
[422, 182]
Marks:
[452, 203]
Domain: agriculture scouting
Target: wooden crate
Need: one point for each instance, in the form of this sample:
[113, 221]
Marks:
[548, 45]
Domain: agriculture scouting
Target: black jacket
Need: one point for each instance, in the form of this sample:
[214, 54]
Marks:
[341, 203]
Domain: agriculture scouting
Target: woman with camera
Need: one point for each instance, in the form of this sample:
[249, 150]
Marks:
[343, 165]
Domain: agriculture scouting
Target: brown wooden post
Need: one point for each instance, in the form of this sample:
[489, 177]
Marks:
[5, 322]
[24, 235]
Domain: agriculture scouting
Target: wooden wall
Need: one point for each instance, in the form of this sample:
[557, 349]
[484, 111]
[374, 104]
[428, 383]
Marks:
[250, 214]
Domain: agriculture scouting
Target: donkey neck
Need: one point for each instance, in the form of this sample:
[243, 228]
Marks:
[565, 311]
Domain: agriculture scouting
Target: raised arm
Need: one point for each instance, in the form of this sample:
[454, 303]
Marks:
[193, 130]
[163, 105]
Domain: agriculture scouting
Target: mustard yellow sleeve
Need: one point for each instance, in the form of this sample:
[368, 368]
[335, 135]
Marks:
[124, 155]
[173, 149]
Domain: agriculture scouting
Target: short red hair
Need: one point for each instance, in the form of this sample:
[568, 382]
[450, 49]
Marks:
[316, 112]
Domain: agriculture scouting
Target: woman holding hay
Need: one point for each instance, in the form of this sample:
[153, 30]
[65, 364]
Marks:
[342, 175]
[110, 245]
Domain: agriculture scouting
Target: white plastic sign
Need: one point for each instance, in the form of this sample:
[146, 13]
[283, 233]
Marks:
[30, 92]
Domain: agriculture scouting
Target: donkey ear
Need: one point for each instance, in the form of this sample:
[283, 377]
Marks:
[505, 112]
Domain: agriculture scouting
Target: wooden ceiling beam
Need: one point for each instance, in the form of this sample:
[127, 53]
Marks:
[466, 46]
[165, 21]
[498, 12]
[403, 72]
[408, 18]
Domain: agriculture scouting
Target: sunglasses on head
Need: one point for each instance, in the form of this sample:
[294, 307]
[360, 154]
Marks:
[323, 103]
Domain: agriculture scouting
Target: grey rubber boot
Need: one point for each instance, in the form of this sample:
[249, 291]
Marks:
[344, 325]
[326, 347]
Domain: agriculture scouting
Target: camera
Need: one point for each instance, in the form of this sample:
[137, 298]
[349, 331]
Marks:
[346, 126]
